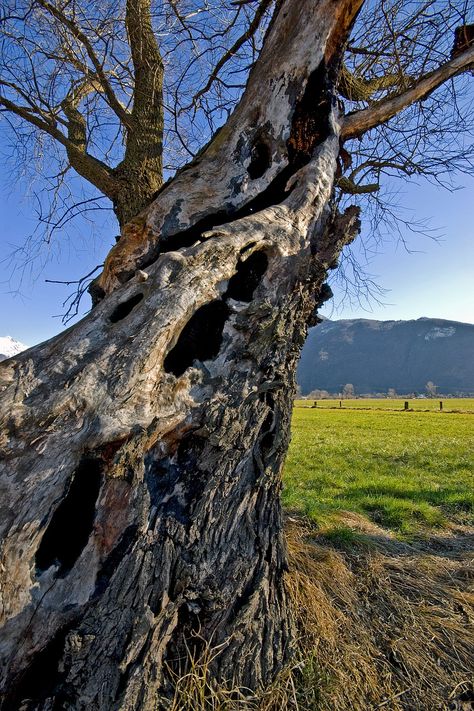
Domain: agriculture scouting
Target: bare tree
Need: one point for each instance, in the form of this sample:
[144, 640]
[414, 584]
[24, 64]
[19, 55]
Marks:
[102, 89]
[348, 390]
[127, 94]
[396, 45]
[142, 449]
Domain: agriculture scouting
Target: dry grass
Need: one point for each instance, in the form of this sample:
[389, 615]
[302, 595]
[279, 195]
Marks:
[384, 624]
[195, 689]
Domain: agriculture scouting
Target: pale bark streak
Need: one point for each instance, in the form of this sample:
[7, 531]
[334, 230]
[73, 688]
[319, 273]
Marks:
[218, 179]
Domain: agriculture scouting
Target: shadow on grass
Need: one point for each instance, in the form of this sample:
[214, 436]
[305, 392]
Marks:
[405, 510]
[408, 509]
[456, 544]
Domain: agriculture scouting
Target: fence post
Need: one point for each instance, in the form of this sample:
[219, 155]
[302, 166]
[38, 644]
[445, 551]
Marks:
[440, 404]
[406, 404]
[340, 403]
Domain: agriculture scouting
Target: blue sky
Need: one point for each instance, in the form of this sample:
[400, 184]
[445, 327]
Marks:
[428, 277]
[435, 279]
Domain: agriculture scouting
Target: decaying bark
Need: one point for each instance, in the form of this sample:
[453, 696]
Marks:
[142, 448]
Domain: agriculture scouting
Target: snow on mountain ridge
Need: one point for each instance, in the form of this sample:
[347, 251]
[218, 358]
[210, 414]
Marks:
[10, 347]
[438, 332]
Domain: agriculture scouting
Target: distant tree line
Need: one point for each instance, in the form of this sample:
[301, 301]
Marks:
[348, 392]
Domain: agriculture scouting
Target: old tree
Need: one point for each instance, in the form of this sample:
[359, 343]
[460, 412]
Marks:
[142, 448]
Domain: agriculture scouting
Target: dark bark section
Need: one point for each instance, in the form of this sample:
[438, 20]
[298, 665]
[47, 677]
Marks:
[463, 39]
[136, 180]
[40, 681]
[125, 308]
[247, 277]
[203, 560]
[140, 174]
[211, 546]
[310, 125]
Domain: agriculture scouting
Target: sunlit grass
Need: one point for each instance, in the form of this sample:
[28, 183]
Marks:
[406, 471]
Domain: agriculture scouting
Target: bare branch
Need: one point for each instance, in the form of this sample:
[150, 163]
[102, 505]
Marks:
[86, 165]
[262, 8]
[358, 88]
[78, 34]
[361, 121]
[73, 301]
[29, 114]
[351, 188]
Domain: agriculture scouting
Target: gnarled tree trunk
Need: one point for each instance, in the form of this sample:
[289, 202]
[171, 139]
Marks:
[142, 448]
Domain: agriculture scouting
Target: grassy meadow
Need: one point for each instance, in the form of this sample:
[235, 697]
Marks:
[379, 529]
[407, 472]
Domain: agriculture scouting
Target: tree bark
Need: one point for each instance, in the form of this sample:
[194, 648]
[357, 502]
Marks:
[142, 448]
[140, 174]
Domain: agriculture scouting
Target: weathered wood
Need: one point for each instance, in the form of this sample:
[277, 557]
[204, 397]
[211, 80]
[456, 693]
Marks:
[142, 448]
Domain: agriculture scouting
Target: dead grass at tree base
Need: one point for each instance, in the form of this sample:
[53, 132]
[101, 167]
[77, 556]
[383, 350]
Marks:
[383, 624]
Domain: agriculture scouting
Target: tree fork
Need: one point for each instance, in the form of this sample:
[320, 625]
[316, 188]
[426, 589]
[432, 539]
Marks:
[142, 448]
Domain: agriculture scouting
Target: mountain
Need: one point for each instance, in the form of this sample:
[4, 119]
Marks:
[9, 347]
[377, 355]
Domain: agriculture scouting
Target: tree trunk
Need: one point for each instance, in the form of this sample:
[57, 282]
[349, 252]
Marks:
[135, 188]
[142, 448]
[140, 174]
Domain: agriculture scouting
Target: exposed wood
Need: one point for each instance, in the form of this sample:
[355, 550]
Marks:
[217, 187]
[163, 416]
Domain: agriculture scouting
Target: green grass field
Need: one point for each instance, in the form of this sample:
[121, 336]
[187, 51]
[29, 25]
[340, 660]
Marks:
[409, 472]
